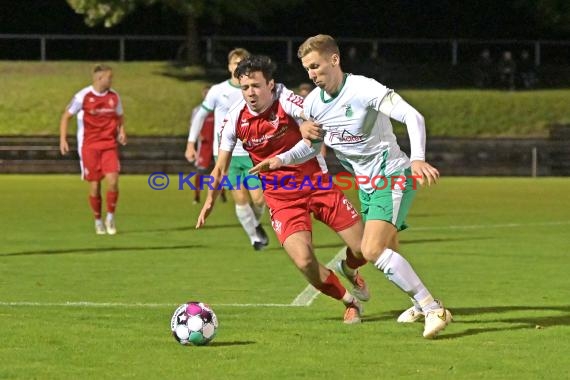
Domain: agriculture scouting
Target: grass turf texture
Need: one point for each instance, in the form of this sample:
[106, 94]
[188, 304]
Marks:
[495, 250]
[35, 93]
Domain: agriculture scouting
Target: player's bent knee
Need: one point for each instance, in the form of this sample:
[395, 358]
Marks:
[371, 252]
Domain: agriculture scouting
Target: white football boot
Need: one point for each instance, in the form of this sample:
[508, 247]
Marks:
[100, 227]
[110, 226]
[411, 315]
[436, 320]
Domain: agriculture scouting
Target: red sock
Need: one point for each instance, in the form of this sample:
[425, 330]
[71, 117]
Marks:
[112, 197]
[332, 287]
[95, 203]
[352, 261]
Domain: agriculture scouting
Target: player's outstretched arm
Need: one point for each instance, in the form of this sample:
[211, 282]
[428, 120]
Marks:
[397, 108]
[424, 172]
[196, 125]
[63, 125]
[268, 164]
[190, 153]
[222, 165]
[122, 135]
[303, 151]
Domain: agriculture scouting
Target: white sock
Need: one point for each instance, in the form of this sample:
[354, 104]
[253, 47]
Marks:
[348, 298]
[398, 270]
[247, 219]
[258, 211]
[110, 216]
[416, 304]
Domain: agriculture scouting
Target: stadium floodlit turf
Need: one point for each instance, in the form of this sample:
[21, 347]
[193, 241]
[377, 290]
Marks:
[76, 305]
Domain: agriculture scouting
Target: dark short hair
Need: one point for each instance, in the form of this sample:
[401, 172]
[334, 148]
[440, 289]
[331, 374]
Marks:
[255, 63]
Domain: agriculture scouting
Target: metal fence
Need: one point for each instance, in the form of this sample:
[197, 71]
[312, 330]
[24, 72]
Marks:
[214, 48]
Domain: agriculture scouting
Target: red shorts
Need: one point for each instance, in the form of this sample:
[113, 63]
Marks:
[95, 163]
[329, 206]
[205, 154]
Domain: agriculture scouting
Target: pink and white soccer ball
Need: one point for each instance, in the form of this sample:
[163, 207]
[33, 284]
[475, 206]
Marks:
[194, 323]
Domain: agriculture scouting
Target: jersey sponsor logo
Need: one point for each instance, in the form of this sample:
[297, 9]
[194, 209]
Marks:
[262, 139]
[344, 137]
[99, 111]
[295, 99]
[274, 121]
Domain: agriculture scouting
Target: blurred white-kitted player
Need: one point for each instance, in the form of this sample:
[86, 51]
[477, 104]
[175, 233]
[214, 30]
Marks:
[249, 204]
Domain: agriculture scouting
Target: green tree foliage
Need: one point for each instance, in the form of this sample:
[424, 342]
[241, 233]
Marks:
[112, 12]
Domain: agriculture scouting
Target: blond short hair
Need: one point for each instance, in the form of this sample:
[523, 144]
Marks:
[321, 43]
[238, 52]
[100, 67]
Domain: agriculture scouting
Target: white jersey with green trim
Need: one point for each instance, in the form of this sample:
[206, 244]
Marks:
[219, 99]
[358, 127]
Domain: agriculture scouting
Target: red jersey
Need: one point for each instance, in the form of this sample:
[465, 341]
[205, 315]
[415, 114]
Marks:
[207, 132]
[99, 115]
[269, 133]
[205, 152]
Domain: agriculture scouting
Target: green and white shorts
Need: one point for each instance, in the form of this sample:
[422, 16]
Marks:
[391, 203]
[239, 170]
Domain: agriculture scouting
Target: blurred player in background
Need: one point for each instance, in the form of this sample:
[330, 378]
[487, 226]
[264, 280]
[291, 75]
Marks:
[99, 127]
[265, 121]
[205, 149]
[305, 89]
[250, 205]
[352, 113]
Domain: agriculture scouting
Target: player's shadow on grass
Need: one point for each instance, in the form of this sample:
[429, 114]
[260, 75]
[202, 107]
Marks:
[409, 241]
[183, 228]
[520, 323]
[234, 343]
[92, 250]
[441, 240]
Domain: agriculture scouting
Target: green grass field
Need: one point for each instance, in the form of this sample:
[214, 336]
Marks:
[34, 94]
[494, 249]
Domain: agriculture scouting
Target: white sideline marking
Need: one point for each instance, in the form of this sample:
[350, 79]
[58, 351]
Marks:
[134, 305]
[308, 295]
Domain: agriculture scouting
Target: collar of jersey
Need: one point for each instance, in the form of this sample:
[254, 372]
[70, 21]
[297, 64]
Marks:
[253, 114]
[335, 94]
[98, 93]
[233, 85]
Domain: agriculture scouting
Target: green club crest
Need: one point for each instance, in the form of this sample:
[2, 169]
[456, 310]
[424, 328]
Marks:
[348, 110]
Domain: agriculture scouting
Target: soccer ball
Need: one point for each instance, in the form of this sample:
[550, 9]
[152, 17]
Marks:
[194, 323]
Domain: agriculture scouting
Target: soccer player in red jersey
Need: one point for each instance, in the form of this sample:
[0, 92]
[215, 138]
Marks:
[99, 127]
[264, 120]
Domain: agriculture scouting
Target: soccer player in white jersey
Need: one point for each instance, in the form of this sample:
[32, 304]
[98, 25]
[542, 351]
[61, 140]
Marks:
[218, 100]
[351, 114]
